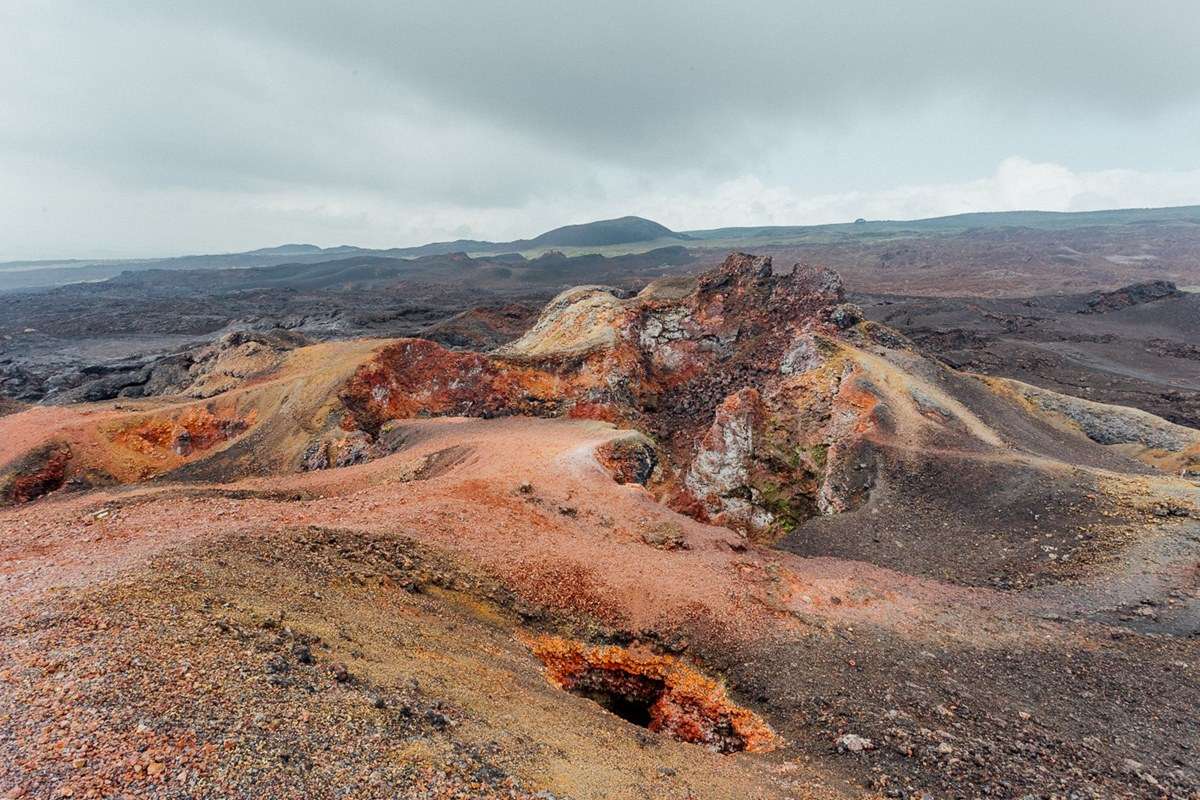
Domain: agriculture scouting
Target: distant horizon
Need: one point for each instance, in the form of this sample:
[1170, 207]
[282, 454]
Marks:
[49, 260]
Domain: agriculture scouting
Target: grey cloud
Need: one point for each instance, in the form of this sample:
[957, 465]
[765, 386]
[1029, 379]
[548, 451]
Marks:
[482, 106]
[632, 77]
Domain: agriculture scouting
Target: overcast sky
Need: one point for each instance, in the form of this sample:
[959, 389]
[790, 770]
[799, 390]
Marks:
[155, 128]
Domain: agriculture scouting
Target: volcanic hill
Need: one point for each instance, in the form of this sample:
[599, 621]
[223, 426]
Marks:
[724, 537]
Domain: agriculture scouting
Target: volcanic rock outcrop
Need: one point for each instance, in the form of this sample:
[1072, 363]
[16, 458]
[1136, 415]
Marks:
[745, 379]
[1136, 294]
[769, 398]
[198, 371]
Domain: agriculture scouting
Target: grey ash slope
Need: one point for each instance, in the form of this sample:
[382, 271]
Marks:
[1138, 346]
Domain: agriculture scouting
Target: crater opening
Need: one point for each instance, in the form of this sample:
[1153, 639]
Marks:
[653, 691]
[630, 697]
[630, 709]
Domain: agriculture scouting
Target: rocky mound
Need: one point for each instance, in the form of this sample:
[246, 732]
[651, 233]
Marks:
[1132, 295]
[703, 368]
[482, 327]
[263, 404]
[770, 400]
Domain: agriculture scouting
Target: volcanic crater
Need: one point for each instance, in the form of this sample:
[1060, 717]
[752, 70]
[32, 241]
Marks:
[783, 550]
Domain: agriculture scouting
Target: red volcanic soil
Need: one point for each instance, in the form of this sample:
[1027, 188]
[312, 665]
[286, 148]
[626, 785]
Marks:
[388, 569]
[416, 377]
[816, 648]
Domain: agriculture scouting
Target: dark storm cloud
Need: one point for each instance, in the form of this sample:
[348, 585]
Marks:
[391, 119]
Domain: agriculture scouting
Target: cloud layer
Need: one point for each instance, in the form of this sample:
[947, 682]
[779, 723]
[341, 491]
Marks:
[144, 127]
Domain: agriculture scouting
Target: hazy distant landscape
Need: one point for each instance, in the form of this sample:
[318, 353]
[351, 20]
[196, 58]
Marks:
[606, 401]
[1039, 244]
[345, 291]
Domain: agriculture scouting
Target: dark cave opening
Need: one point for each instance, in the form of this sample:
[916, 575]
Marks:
[629, 708]
[629, 696]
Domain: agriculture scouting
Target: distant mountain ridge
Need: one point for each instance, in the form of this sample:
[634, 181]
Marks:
[622, 234]
[601, 233]
[622, 230]
[958, 223]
